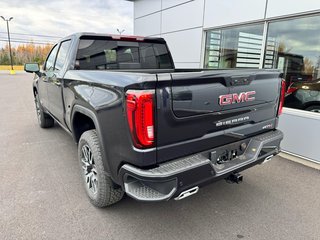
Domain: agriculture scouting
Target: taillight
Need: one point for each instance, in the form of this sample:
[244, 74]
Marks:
[291, 89]
[282, 96]
[140, 115]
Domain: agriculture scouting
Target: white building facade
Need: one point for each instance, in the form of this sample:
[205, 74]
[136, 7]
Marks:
[283, 34]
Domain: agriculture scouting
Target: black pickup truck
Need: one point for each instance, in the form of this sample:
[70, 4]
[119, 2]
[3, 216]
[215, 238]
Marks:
[149, 130]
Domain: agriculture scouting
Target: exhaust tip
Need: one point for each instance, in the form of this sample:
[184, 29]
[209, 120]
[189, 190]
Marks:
[187, 193]
[268, 158]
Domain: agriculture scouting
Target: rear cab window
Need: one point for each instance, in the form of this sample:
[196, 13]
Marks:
[98, 53]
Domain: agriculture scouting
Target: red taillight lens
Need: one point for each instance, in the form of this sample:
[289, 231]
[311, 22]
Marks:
[291, 89]
[140, 115]
[282, 96]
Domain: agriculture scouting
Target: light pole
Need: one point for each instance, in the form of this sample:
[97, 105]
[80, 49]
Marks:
[120, 32]
[11, 60]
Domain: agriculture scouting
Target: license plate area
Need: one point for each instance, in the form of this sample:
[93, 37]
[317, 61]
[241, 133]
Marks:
[229, 152]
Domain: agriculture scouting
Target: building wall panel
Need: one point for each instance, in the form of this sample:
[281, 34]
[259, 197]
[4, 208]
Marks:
[185, 46]
[171, 3]
[188, 15]
[301, 133]
[219, 13]
[144, 7]
[148, 25]
[277, 8]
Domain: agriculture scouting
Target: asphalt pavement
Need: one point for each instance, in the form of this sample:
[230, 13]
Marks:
[42, 196]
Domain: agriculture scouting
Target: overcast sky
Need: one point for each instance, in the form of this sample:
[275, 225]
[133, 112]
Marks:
[61, 17]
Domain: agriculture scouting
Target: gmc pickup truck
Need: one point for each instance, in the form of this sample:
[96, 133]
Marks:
[149, 130]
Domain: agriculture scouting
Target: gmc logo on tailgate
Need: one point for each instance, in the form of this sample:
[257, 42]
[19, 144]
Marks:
[236, 98]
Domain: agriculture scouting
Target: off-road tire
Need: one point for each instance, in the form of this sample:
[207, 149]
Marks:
[107, 192]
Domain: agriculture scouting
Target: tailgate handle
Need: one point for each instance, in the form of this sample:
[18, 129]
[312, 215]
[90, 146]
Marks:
[238, 81]
[182, 96]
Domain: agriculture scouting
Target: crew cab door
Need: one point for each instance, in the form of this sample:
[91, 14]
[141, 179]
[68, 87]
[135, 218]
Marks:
[55, 82]
[43, 81]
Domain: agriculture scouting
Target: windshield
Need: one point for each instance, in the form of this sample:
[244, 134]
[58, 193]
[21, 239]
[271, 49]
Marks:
[101, 54]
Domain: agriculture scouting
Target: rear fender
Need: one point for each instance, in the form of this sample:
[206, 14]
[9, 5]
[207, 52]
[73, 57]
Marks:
[89, 113]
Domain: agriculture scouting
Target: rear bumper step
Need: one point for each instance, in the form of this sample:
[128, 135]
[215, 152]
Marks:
[182, 177]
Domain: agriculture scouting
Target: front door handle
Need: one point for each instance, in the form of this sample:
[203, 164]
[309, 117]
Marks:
[55, 80]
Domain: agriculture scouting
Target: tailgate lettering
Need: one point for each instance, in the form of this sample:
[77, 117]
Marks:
[236, 98]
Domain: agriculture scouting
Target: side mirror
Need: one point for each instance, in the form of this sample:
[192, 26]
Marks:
[32, 68]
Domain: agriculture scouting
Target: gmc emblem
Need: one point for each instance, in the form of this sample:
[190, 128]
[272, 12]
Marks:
[236, 98]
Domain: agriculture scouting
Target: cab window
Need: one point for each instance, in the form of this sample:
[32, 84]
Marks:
[51, 59]
[62, 55]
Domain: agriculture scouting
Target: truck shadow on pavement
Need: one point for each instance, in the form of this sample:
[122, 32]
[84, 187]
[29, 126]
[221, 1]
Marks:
[218, 211]
[222, 210]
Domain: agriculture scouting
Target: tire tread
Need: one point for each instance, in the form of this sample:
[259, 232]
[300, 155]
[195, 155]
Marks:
[107, 193]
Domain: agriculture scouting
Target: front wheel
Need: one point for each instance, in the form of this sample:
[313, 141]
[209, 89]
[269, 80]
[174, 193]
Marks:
[100, 188]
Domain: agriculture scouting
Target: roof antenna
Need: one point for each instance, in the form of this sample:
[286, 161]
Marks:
[120, 32]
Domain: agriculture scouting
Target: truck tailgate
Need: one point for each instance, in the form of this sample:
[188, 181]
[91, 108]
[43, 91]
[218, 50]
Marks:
[206, 109]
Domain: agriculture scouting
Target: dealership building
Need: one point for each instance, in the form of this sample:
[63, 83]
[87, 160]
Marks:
[282, 34]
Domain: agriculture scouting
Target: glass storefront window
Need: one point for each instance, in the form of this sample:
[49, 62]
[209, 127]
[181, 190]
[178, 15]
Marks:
[293, 46]
[238, 47]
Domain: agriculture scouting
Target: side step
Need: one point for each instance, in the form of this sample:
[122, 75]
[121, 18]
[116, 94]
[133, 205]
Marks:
[150, 190]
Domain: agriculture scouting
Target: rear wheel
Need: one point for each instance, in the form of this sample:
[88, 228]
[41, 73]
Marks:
[44, 119]
[314, 108]
[100, 188]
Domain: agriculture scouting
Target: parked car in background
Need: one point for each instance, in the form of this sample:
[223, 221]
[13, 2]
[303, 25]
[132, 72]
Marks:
[304, 96]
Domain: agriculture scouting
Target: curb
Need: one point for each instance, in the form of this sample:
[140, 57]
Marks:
[303, 161]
